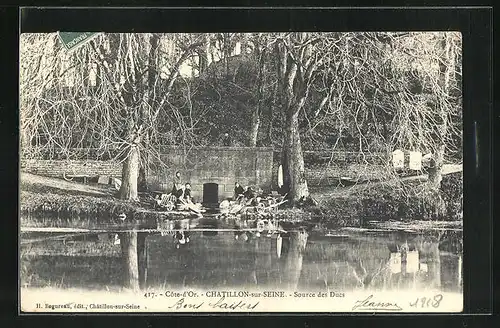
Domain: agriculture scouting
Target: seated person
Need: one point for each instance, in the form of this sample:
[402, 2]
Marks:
[238, 191]
[249, 192]
[249, 195]
[187, 193]
[178, 187]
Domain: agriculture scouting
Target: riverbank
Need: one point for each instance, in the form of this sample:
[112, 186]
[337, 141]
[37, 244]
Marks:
[391, 200]
[57, 199]
[84, 204]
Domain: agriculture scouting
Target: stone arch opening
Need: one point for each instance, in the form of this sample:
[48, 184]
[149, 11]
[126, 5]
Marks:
[211, 194]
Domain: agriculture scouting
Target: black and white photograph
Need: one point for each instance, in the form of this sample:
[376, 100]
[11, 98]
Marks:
[241, 172]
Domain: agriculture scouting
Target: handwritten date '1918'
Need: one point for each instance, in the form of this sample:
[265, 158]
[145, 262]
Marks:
[426, 302]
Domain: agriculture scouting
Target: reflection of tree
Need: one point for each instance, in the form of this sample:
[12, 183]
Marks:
[429, 250]
[255, 255]
[128, 242]
[424, 270]
[293, 262]
[358, 271]
[363, 277]
[142, 258]
[345, 265]
[263, 260]
[450, 272]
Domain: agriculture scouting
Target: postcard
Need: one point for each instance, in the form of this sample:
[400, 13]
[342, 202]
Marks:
[293, 172]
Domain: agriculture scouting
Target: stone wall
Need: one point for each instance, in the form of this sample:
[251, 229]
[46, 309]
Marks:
[221, 165]
[56, 168]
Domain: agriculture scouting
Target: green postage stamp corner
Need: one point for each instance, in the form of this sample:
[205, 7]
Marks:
[73, 40]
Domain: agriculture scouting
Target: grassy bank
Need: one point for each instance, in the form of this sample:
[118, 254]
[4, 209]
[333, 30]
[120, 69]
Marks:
[42, 197]
[392, 200]
[61, 203]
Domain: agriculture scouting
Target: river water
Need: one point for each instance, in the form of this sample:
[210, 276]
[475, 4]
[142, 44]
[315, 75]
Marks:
[217, 257]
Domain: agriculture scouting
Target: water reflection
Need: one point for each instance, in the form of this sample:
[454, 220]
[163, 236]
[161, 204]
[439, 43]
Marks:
[305, 261]
[215, 253]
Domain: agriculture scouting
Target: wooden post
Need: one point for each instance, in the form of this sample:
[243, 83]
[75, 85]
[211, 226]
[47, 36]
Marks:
[128, 242]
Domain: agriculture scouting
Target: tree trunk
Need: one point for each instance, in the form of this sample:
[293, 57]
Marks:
[143, 183]
[254, 130]
[130, 175]
[435, 169]
[23, 134]
[152, 73]
[204, 55]
[272, 105]
[128, 242]
[447, 71]
[294, 258]
[285, 161]
[437, 203]
[145, 111]
[295, 93]
[227, 51]
[293, 161]
[435, 172]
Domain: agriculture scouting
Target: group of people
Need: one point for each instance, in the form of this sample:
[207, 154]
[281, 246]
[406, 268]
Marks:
[244, 195]
[179, 196]
[181, 191]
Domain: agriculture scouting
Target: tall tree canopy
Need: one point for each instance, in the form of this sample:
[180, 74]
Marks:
[126, 95]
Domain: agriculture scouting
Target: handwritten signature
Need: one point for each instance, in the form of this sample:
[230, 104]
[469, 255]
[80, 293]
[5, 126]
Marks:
[221, 304]
[369, 304]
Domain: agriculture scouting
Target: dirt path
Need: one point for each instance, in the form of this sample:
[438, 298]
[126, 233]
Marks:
[30, 182]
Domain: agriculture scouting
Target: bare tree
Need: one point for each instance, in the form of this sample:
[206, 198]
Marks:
[261, 55]
[105, 96]
[303, 57]
[381, 90]
[368, 92]
[297, 242]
